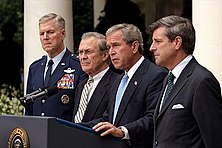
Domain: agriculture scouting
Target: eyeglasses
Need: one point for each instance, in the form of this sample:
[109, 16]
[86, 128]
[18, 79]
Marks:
[86, 52]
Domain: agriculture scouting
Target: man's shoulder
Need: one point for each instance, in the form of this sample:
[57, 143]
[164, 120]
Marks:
[40, 60]
[151, 66]
[74, 57]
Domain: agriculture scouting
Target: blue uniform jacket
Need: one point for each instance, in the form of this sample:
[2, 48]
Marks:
[66, 77]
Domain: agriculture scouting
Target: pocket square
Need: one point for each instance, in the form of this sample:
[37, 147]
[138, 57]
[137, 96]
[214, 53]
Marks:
[177, 106]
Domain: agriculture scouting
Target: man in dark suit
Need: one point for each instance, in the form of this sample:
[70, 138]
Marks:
[132, 121]
[190, 117]
[95, 61]
[66, 71]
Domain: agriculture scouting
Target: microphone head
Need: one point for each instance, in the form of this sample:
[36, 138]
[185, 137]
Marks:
[51, 90]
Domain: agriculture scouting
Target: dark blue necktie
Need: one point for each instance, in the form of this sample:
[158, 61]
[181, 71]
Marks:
[170, 78]
[169, 87]
[49, 72]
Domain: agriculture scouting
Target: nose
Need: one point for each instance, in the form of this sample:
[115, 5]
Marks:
[82, 55]
[111, 51]
[152, 47]
[45, 35]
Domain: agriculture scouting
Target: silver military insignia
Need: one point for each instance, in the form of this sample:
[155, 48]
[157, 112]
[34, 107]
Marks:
[65, 99]
[69, 70]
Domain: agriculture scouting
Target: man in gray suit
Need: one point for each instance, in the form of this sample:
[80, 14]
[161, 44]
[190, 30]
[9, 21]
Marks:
[191, 115]
[95, 61]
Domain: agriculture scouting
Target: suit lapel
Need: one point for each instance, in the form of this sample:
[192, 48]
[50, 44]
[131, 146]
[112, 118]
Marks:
[78, 95]
[98, 95]
[156, 113]
[59, 71]
[182, 80]
[133, 84]
[40, 71]
[111, 104]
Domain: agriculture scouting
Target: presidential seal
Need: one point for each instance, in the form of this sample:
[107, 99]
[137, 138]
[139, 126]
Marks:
[18, 138]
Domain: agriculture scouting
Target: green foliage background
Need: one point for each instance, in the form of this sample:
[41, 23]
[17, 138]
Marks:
[12, 10]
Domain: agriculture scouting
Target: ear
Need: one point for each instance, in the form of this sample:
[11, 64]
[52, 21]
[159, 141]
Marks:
[105, 55]
[135, 46]
[63, 33]
[178, 42]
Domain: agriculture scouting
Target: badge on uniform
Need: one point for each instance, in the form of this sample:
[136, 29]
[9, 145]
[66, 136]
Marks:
[69, 70]
[67, 81]
[65, 99]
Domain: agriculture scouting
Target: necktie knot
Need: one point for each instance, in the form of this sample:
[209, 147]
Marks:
[90, 80]
[170, 78]
[50, 63]
[125, 77]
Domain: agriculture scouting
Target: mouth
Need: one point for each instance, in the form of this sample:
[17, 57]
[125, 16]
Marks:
[155, 55]
[45, 44]
[114, 60]
[84, 63]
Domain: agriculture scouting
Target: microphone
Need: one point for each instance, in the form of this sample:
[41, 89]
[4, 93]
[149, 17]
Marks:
[34, 92]
[46, 91]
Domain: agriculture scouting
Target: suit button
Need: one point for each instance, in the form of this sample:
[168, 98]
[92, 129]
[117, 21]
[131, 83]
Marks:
[155, 143]
[42, 114]
[43, 101]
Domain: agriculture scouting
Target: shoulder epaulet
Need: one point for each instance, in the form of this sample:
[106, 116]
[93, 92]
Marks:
[36, 61]
[74, 57]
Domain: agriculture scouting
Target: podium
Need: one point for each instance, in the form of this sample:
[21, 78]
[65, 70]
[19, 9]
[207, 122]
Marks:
[50, 132]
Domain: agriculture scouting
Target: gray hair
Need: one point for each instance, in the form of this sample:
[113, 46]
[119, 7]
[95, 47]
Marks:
[100, 37]
[60, 20]
[130, 33]
[177, 26]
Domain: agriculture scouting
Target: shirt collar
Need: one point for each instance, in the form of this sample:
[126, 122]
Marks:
[179, 68]
[57, 58]
[99, 76]
[133, 69]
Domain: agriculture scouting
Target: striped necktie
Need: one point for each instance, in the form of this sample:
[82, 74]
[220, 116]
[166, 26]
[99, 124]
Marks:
[83, 101]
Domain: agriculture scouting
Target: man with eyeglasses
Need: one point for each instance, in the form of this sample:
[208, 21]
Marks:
[95, 61]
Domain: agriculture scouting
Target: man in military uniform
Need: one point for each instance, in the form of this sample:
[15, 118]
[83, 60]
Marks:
[64, 68]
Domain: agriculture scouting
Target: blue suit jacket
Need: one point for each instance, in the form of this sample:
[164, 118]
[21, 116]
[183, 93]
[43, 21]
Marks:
[61, 104]
[138, 103]
[99, 100]
[192, 114]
